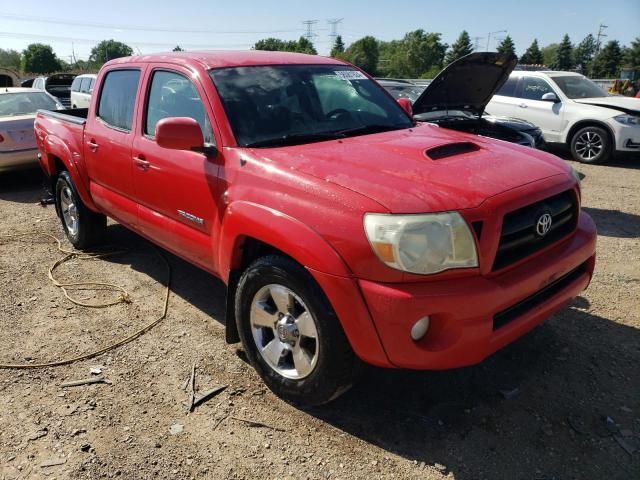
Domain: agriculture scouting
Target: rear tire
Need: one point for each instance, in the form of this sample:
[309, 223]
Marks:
[82, 226]
[291, 334]
[591, 145]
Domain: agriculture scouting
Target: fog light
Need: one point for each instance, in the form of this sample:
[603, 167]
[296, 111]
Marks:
[420, 328]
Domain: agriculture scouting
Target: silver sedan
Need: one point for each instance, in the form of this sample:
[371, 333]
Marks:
[18, 107]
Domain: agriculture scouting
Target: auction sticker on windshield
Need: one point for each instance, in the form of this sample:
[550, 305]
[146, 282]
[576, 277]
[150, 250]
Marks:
[351, 75]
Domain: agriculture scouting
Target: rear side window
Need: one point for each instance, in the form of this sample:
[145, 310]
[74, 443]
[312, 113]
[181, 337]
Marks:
[85, 85]
[118, 98]
[533, 88]
[509, 87]
[173, 95]
[75, 86]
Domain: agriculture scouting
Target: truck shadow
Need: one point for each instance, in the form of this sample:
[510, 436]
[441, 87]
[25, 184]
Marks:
[614, 223]
[519, 414]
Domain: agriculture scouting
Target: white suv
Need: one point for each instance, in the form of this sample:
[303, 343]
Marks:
[81, 90]
[570, 109]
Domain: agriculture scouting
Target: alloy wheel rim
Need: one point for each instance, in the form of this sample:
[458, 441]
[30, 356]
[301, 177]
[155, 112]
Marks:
[284, 331]
[589, 145]
[69, 211]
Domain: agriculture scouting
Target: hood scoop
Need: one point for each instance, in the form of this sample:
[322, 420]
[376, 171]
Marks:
[451, 150]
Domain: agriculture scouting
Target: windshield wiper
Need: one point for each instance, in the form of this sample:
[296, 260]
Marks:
[295, 139]
[365, 129]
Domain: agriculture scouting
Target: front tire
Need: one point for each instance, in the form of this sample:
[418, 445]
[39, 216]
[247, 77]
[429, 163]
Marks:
[591, 145]
[291, 334]
[82, 226]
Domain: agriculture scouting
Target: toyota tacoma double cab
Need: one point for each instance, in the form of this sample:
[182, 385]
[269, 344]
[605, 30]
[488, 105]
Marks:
[344, 231]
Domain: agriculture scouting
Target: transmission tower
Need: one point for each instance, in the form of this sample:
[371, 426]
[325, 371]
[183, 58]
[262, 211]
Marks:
[333, 23]
[476, 43]
[309, 24]
[600, 35]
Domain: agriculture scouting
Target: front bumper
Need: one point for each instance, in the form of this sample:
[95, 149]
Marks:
[627, 138]
[462, 311]
[18, 158]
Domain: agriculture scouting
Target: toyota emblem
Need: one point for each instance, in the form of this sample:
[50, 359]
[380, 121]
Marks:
[543, 225]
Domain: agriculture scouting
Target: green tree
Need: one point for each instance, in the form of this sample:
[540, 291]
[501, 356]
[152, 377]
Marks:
[506, 46]
[303, 45]
[533, 55]
[10, 59]
[564, 59]
[108, 50]
[338, 48]
[632, 54]
[364, 53]
[549, 53]
[306, 46]
[425, 50]
[584, 52]
[461, 47]
[608, 61]
[178, 48]
[39, 58]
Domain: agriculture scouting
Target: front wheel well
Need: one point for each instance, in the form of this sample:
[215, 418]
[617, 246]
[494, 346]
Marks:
[589, 123]
[247, 251]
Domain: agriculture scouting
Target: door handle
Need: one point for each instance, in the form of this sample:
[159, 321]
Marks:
[523, 105]
[141, 162]
[93, 146]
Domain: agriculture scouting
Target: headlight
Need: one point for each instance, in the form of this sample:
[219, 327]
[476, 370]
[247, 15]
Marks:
[423, 244]
[627, 120]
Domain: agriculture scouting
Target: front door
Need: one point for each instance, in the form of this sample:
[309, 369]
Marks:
[545, 114]
[176, 190]
[108, 137]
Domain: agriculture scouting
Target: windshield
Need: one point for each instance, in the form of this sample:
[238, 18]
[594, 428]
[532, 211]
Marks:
[23, 103]
[578, 87]
[293, 104]
[445, 115]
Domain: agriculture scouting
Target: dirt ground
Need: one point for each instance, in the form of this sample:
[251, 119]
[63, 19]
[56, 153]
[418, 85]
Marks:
[561, 403]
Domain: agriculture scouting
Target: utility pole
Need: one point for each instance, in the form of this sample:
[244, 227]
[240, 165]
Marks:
[598, 43]
[309, 24]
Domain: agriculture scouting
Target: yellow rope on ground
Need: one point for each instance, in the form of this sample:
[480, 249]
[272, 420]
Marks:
[123, 298]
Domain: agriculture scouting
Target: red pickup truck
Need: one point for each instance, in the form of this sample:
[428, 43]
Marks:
[344, 230]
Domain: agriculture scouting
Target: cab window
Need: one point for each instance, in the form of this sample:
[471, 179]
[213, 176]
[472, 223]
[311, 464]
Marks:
[75, 85]
[118, 98]
[533, 88]
[174, 95]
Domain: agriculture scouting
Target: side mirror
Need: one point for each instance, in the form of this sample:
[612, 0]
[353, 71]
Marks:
[550, 97]
[179, 133]
[406, 105]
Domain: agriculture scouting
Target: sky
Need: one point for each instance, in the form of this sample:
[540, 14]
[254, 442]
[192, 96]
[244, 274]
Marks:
[72, 28]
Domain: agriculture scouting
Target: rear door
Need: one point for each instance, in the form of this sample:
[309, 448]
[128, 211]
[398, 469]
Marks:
[545, 114]
[108, 137]
[504, 102]
[176, 190]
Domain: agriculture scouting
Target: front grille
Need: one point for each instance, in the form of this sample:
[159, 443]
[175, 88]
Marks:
[519, 238]
[516, 311]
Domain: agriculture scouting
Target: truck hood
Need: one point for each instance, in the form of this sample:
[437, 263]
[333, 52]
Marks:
[628, 105]
[466, 84]
[395, 168]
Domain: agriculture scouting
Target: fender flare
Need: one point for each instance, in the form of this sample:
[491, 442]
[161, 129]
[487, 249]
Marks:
[294, 238]
[246, 219]
[55, 147]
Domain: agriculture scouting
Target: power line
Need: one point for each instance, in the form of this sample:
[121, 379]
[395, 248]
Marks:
[62, 21]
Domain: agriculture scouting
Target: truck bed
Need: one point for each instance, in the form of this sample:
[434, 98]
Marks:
[72, 115]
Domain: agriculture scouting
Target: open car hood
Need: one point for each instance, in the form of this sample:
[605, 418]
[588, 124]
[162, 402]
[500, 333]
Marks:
[467, 84]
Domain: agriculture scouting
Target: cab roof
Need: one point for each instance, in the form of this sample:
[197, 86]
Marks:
[229, 58]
